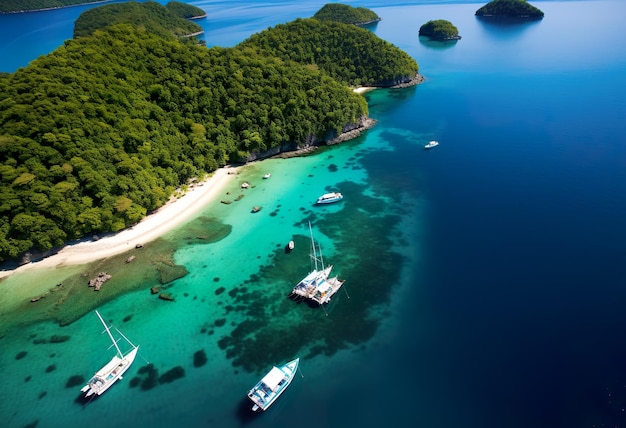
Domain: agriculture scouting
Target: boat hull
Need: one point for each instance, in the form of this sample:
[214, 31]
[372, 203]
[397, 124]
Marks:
[104, 378]
[109, 374]
[273, 384]
[329, 198]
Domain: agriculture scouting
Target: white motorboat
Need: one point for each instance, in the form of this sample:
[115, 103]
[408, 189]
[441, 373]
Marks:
[329, 198]
[274, 383]
[114, 369]
[268, 175]
[431, 144]
[317, 286]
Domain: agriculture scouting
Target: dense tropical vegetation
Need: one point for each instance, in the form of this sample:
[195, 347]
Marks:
[439, 29]
[511, 9]
[24, 5]
[185, 10]
[348, 53]
[103, 130]
[346, 14]
[151, 15]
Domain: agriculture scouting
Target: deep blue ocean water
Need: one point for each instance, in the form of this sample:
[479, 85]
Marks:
[486, 277]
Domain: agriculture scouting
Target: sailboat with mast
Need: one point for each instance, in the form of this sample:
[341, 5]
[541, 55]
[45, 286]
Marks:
[318, 286]
[114, 369]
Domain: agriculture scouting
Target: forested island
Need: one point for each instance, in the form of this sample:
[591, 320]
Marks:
[8, 6]
[348, 53]
[164, 21]
[439, 29]
[346, 14]
[510, 9]
[103, 130]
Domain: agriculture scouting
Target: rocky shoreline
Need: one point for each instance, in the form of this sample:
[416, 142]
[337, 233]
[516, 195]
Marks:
[415, 80]
[354, 132]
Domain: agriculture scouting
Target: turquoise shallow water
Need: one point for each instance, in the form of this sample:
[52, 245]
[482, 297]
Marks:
[484, 278]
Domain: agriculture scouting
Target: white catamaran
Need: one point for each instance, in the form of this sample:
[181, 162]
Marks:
[317, 286]
[272, 385]
[114, 369]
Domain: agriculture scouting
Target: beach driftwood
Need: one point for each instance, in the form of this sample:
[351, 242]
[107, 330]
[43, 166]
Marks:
[97, 281]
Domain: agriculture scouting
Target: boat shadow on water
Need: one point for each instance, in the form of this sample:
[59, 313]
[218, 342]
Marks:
[244, 411]
[83, 401]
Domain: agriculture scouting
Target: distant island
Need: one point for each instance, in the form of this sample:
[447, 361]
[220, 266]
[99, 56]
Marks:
[15, 6]
[510, 9]
[440, 30]
[164, 21]
[182, 10]
[346, 14]
[106, 128]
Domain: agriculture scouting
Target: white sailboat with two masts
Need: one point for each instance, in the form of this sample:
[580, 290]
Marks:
[318, 286]
[114, 369]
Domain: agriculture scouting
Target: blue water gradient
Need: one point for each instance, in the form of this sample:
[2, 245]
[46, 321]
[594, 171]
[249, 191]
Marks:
[494, 297]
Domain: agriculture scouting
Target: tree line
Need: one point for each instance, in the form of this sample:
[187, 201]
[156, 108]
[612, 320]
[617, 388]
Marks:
[346, 14]
[26, 5]
[510, 8]
[157, 19]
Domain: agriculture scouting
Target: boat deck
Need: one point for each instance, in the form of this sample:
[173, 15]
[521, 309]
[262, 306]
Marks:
[319, 291]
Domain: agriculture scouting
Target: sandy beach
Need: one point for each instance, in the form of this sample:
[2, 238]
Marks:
[363, 89]
[172, 214]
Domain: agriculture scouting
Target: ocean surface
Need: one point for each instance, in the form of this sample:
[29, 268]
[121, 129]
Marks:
[485, 279]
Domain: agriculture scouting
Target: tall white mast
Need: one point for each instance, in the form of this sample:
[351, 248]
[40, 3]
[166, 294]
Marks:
[110, 335]
[314, 254]
[315, 249]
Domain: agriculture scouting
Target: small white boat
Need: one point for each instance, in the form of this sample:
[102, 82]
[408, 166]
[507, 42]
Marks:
[291, 245]
[329, 198]
[245, 185]
[272, 385]
[114, 369]
[431, 144]
[268, 175]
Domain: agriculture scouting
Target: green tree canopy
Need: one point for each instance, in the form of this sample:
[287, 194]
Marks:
[102, 131]
[26, 5]
[510, 8]
[165, 21]
[346, 52]
[439, 29]
[346, 14]
[184, 10]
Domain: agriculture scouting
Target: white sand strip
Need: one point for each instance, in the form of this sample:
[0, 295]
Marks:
[362, 89]
[166, 218]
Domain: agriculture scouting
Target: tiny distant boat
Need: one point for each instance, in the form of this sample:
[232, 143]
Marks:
[329, 198]
[268, 175]
[114, 369]
[291, 245]
[431, 144]
[272, 385]
[256, 209]
[317, 286]
[245, 185]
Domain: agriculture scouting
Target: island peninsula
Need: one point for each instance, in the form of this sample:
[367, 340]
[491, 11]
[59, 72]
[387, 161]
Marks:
[126, 116]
